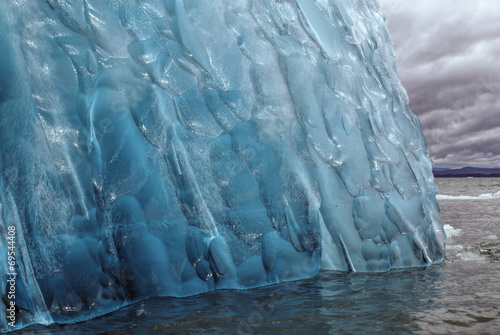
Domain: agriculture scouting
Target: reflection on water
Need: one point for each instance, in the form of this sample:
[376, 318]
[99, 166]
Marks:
[332, 302]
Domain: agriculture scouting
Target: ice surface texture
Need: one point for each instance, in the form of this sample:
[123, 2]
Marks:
[169, 147]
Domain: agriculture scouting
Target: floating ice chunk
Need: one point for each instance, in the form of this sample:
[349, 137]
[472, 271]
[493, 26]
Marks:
[484, 196]
[469, 256]
[450, 231]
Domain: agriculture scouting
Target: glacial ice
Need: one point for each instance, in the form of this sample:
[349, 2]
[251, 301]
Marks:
[172, 147]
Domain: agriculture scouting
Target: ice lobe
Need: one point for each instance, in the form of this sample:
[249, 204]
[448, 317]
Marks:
[177, 147]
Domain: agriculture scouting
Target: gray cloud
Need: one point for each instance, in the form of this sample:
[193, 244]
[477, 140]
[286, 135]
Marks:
[448, 58]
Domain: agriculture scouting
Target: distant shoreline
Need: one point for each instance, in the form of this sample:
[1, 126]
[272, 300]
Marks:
[468, 171]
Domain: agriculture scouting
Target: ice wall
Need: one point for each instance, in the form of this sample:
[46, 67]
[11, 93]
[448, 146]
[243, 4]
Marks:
[169, 147]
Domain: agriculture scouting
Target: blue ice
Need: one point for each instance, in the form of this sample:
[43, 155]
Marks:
[169, 148]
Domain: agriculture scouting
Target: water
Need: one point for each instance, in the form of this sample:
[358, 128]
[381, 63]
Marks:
[462, 295]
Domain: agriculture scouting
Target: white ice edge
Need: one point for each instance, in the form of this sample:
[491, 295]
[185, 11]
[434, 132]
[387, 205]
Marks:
[485, 196]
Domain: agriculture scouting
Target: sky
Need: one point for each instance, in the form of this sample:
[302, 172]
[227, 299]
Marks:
[448, 59]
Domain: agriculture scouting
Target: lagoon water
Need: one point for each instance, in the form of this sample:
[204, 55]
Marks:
[459, 296]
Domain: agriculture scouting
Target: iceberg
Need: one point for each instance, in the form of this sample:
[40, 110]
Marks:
[173, 147]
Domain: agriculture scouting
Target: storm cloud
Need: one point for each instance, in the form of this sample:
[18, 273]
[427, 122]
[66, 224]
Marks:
[448, 58]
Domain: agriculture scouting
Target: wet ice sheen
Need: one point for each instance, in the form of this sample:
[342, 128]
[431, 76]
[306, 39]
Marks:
[177, 147]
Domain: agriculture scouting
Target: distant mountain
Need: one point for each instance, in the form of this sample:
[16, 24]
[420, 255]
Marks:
[468, 171]
[441, 169]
